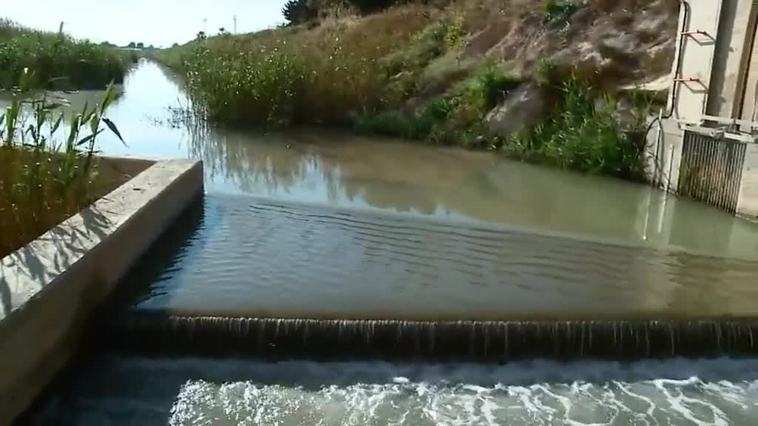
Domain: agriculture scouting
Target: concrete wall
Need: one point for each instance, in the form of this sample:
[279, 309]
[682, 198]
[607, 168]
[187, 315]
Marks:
[696, 58]
[732, 47]
[663, 155]
[49, 288]
[748, 201]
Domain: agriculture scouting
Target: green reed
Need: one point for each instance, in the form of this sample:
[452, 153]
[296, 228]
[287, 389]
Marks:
[45, 178]
[58, 60]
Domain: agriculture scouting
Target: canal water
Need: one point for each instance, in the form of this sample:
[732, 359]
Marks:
[325, 224]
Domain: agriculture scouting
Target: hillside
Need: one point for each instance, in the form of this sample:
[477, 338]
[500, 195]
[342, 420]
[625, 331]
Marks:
[545, 80]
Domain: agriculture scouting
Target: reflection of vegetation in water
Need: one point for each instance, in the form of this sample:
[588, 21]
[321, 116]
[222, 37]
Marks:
[251, 167]
[387, 174]
[343, 169]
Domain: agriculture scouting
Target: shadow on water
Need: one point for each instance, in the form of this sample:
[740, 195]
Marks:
[163, 257]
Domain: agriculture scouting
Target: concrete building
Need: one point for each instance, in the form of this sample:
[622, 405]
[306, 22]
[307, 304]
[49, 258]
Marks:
[704, 146]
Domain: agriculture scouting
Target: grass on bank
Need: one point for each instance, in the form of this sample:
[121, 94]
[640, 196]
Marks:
[405, 72]
[44, 178]
[58, 60]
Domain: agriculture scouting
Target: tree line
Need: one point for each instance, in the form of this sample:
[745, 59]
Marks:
[301, 11]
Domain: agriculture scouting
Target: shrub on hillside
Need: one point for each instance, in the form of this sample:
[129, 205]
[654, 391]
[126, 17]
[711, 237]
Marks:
[584, 133]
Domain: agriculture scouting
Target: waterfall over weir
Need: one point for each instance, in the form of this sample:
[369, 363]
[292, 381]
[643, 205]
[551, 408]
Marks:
[157, 333]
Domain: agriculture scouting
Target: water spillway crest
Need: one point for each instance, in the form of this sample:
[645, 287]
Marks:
[161, 334]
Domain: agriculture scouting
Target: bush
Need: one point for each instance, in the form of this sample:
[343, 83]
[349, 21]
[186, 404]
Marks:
[298, 11]
[583, 133]
[558, 12]
[302, 11]
[454, 119]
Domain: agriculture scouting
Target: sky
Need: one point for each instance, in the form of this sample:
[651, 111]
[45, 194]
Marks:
[157, 22]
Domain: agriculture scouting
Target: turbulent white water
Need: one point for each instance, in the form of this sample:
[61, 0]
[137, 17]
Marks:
[238, 392]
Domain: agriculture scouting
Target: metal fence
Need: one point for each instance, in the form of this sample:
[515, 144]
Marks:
[711, 170]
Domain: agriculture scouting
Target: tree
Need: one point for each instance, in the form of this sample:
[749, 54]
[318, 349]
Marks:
[140, 45]
[201, 35]
[368, 6]
[175, 45]
[131, 45]
[298, 11]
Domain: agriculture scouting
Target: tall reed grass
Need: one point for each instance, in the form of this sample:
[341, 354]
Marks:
[58, 60]
[325, 74]
[44, 178]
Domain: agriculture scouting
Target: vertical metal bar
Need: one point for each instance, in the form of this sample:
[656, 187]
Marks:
[658, 161]
[730, 175]
[726, 161]
[715, 176]
[671, 166]
[684, 165]
[704, 166]
[740, 163]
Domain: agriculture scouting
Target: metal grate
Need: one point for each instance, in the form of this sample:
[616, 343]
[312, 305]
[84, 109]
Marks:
[711, 170]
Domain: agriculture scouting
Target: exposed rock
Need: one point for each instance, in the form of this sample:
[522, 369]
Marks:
[523, 107]
[618, 42]
[625, 114]
[619, 45]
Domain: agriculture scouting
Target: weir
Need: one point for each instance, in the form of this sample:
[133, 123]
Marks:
[493, 341]
[405, 288]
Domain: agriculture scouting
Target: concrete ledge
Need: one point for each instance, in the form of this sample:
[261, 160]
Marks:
[49, 288]
[748, 199]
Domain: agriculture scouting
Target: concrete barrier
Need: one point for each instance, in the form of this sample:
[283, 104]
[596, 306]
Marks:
[49, 288]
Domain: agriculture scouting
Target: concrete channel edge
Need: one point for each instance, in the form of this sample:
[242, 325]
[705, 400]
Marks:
[50, 287]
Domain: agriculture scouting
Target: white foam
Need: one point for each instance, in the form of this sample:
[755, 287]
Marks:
[197, 392]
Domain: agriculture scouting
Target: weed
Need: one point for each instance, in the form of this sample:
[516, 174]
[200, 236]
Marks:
[545, 72]
[454, 33]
